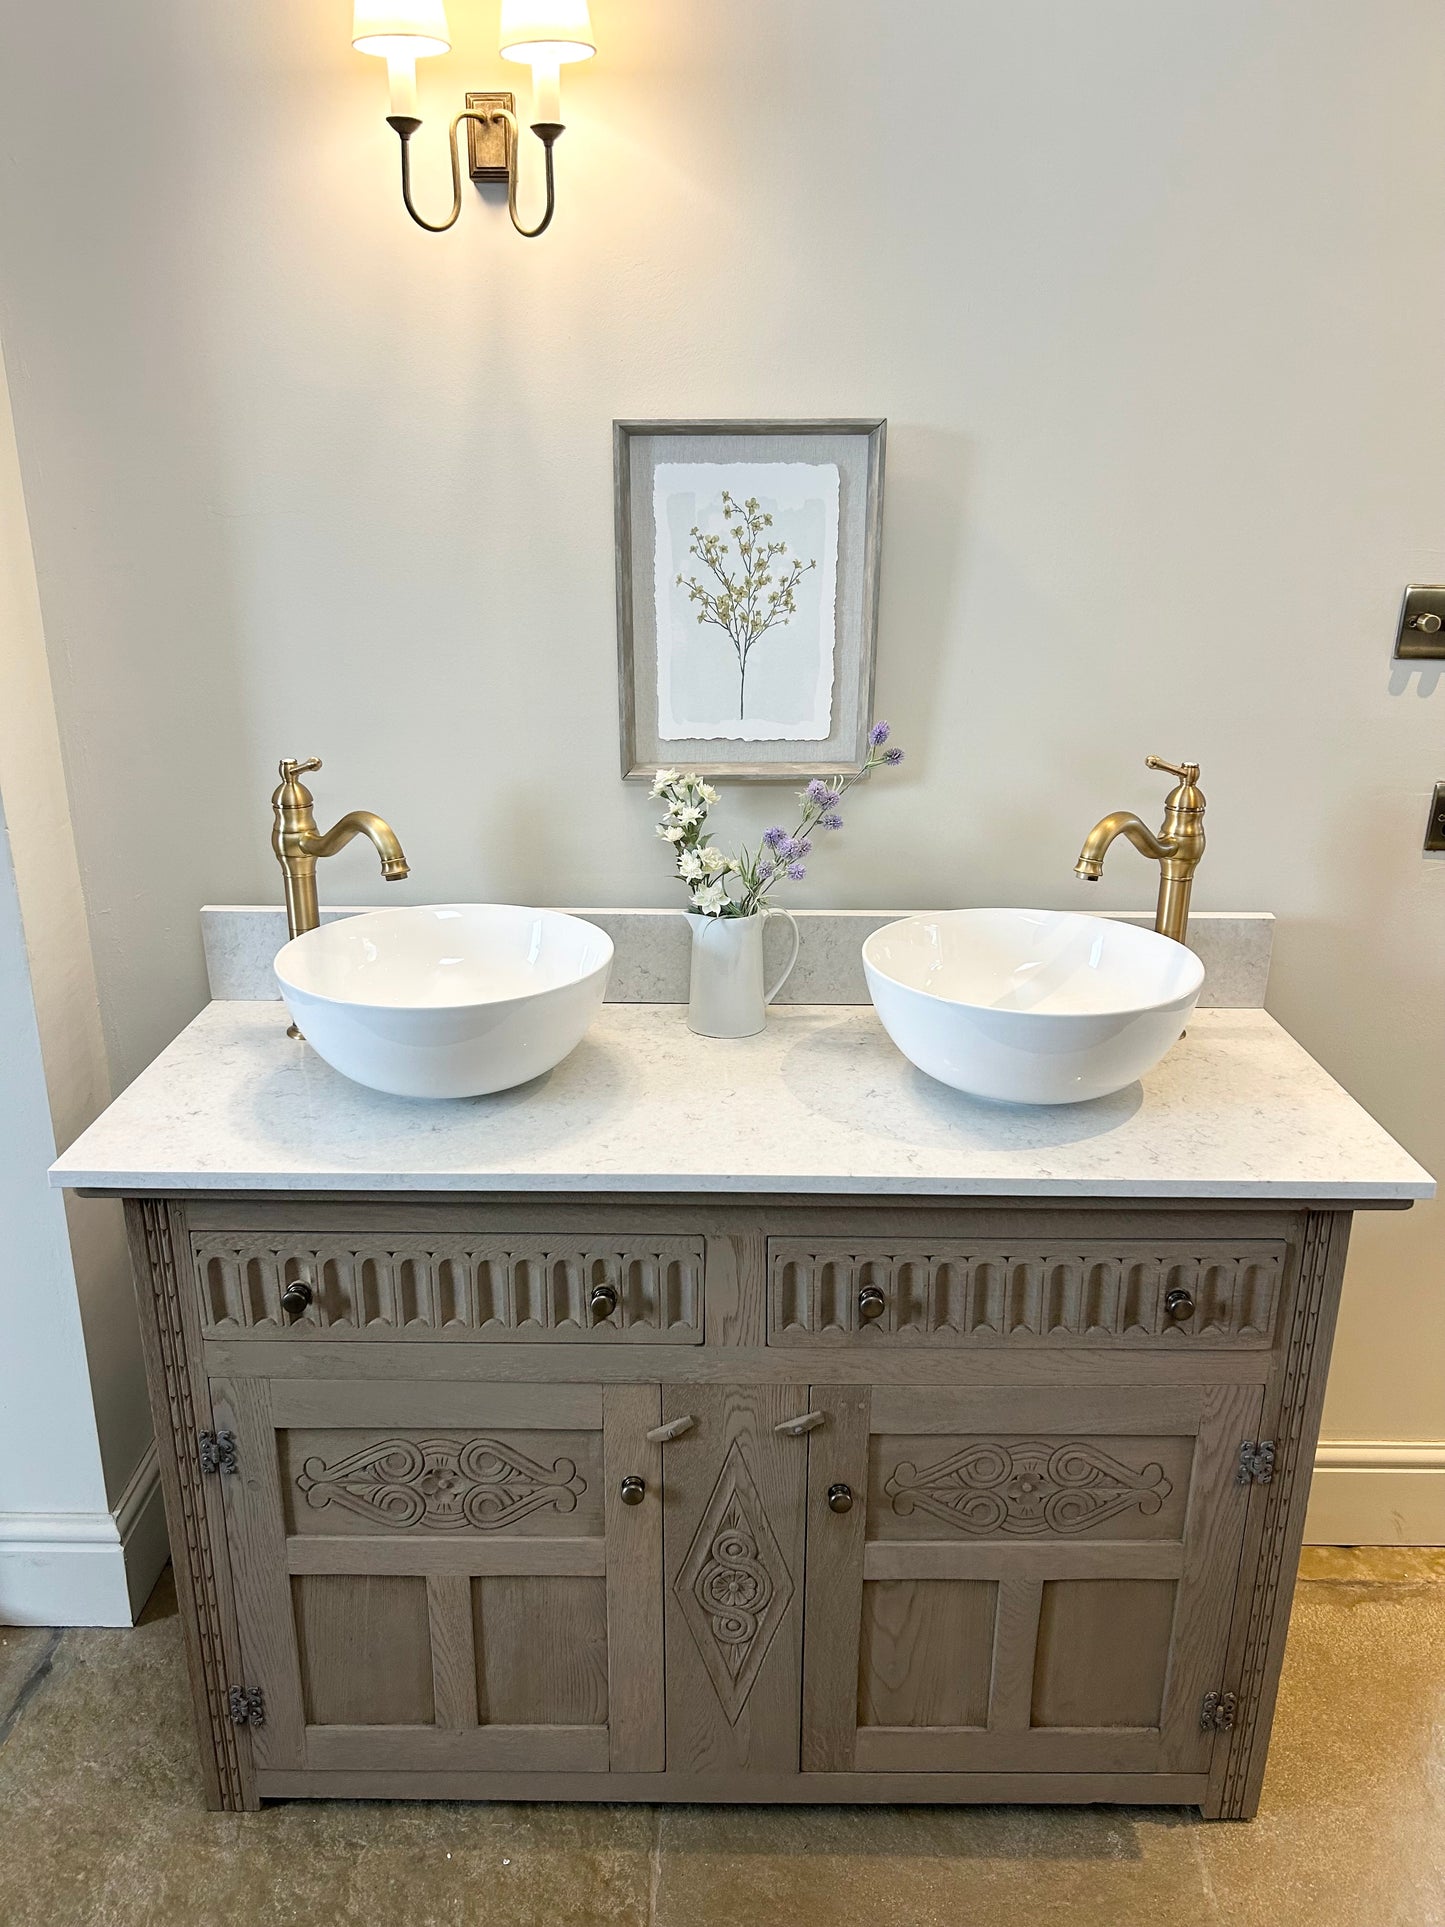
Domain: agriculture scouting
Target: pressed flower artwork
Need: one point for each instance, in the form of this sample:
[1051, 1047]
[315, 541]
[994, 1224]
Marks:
[746, 575]
[747, 595]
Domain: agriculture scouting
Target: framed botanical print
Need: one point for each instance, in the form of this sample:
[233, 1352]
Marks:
[747, 594]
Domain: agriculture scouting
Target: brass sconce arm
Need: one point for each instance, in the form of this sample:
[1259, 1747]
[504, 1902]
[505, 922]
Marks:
[546, 132]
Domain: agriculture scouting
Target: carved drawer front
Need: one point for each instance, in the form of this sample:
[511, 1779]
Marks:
[532, 1289]
[444, 1578]
[910, 1291]
[1022, 1581]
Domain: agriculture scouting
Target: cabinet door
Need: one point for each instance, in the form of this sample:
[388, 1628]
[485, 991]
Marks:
[1027, 1580]
[443, 1576]
[733, 1536]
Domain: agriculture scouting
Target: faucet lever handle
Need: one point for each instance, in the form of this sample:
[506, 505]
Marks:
[1186, 772]
[290, 768]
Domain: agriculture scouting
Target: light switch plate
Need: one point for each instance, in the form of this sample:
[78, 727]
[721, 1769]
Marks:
[1435, 828]
[487, 146]
[1412, 642]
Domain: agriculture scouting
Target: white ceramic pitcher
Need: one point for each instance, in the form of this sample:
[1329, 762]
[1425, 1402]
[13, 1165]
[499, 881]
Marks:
[727, 996]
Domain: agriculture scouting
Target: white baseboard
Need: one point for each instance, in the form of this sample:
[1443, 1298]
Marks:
[85, 1568]
[1377, 1494]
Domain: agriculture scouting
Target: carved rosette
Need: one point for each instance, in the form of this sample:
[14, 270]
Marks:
[1027, 1488]
[445, 1484]
[734, 1586]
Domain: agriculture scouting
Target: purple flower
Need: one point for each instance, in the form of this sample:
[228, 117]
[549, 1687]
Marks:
[789, 848]
[765, 871]
[878, 734]
[818, 791]
[894, 756]
[832, 821]
[797, 872]
[775, 837]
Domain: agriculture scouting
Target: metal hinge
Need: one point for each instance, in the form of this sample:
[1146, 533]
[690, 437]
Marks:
[1256, 1462]
[247, 1705]
[1216, 1715]
[217, 1451]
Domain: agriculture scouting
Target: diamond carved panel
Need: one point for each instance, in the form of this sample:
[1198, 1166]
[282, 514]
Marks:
[1027, 1487]
[734, 1586]
[442, 1483]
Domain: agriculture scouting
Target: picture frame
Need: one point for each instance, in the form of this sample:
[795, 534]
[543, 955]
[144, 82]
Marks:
[747, 621]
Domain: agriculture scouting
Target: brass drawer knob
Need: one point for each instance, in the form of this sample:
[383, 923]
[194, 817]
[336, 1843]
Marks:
[634, 1490]
[602, 1303]
[297, 1296]
[871, 1304]
[1178, 1305]
[840, 1498]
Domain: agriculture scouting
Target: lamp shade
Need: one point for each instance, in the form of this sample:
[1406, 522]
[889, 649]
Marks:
[546, 31]
[406, 28]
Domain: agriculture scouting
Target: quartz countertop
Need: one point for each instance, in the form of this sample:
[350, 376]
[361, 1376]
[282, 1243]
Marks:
[820, 1102]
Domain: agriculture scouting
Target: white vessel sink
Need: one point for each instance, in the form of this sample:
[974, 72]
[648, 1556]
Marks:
[450, 1001]
[1030, 1006]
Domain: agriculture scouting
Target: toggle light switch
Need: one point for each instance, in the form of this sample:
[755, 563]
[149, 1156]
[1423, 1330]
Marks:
[1421, 635]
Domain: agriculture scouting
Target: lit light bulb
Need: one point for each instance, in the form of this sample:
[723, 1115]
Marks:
[546, 34]
[401, 32]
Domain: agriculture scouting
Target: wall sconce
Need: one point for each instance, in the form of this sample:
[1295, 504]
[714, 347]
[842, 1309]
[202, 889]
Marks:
[546, 34]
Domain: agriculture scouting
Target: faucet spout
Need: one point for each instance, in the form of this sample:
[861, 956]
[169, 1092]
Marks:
[1090, 865]
[379, 833]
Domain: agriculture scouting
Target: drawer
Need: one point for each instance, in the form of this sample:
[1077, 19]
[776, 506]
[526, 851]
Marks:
[529, 1289]
[935, 1293]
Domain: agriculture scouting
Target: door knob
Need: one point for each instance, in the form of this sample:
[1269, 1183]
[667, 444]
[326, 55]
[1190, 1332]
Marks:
[633, 1489]
[297, 1296]
[871, 1303]
[840, 1498]
[602, 1303]
[1178, 1305]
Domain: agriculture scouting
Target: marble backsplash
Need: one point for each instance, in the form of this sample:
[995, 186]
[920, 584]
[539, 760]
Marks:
[653, 951]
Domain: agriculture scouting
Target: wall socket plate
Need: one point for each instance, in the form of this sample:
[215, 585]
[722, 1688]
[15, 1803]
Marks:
[1435, 828]
[1414, 642]
[487, 149]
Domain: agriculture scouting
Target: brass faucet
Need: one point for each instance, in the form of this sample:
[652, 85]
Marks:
[1177, 849]
[299, 845]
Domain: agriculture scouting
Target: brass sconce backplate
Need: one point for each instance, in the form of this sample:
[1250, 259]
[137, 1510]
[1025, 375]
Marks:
[487, 146]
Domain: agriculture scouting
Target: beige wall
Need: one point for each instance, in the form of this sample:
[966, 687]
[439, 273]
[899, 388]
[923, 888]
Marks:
[81, 1534]
[1150, 294]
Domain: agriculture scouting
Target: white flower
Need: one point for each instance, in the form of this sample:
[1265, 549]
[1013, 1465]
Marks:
[689, 865]
[707, 792]
[709, 898]
[712, 858]
[664, 779]
[686, 813]
[671, 832]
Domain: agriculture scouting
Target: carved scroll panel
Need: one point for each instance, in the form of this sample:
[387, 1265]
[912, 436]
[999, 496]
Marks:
[382, 1483]
[933, 1487]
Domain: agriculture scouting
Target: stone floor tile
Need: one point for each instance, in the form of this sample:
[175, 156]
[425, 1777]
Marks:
[25, 1652]
[1351, 1825]
[929, 1867]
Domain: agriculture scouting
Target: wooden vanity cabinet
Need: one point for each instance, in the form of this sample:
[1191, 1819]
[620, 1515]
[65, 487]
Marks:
[744, 1500]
